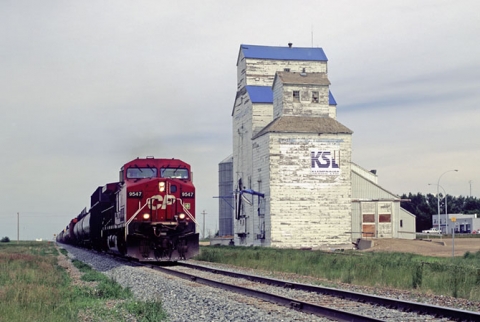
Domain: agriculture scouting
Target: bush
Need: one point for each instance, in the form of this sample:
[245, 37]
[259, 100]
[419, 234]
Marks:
[5, 240]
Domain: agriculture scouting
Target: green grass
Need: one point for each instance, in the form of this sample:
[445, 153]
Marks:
[34, 288]
[458, 277]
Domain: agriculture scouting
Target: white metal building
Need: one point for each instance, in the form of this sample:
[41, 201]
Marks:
[292, 172]
[463, 223]
[376, 212]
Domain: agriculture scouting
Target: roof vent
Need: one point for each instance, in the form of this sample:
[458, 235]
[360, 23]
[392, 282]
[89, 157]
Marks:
[373, 171]
[303, 73]
[290, 45]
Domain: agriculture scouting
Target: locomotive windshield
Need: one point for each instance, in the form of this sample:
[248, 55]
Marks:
[174, 173]
[141, 173]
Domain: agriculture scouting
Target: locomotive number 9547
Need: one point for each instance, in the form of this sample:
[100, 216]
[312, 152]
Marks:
[148, 214]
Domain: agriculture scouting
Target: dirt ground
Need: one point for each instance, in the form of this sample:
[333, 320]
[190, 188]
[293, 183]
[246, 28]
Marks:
[441, 247]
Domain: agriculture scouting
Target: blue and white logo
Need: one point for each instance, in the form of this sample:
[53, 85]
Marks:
[325, 162]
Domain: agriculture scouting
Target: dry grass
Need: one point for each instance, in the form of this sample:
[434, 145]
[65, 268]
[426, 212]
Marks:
[380, 266]
[38, 284]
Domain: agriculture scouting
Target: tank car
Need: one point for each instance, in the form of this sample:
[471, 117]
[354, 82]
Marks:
[149, 214]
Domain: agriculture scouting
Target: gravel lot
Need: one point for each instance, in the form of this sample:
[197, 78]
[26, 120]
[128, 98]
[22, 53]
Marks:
[440, 247]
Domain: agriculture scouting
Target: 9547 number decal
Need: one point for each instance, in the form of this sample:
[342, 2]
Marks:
[188, 194]
[135, 194]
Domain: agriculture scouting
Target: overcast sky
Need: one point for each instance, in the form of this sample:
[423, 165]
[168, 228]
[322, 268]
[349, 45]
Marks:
[86, 86]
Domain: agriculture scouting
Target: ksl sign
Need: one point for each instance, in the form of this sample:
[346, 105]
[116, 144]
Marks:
[325, 162]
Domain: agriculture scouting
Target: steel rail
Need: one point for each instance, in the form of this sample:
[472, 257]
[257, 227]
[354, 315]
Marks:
[437, 311]
[301, 306]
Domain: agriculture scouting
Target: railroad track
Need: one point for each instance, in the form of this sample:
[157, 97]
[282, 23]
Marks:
[327, 302]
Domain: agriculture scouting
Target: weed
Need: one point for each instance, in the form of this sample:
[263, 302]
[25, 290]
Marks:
[34, 288]
[459, 277]
[147, 311]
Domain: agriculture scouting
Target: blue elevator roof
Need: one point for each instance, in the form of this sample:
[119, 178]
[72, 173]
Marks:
[331, 99]
[264, 94]
[283, 53]
[260, 94]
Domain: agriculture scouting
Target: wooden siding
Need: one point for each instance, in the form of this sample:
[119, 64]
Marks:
[307, 209]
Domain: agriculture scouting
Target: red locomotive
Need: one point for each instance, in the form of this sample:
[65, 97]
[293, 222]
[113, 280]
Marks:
[149, 214]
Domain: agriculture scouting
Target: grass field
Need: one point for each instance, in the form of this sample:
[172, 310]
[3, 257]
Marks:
[33, 287]
[457, 277]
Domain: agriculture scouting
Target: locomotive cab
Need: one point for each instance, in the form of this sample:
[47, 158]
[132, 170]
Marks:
[155, 211]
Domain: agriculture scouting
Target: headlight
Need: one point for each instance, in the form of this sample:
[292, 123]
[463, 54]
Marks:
[181, 216]
[161, 186]
[146, 216]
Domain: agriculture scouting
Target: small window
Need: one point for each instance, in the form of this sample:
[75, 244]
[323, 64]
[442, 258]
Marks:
[315, 97]
[286, 69]
[384, 218]
[174, 173]
[296, 96]
[368, 218]
[401, 223]
[141, 173]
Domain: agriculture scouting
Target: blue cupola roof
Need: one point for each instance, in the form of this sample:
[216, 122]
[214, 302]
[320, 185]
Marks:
[283, 53]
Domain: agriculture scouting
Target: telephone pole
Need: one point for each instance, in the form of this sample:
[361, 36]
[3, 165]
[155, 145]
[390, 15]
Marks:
[203, 234]
[18, 227]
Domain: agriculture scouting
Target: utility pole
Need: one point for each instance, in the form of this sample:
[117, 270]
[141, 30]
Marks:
[203, 234]
[438, 203]
[18, 227]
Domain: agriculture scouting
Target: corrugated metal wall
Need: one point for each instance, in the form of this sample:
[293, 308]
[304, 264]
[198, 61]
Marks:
[407, 227]
[367, 192]
[365, 189]
[225, 201]
[356, 220]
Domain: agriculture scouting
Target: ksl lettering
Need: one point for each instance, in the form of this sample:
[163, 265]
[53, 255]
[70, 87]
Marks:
[323, 159]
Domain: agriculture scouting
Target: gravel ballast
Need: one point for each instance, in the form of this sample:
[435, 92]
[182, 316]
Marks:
[184, 300]
[188, 301]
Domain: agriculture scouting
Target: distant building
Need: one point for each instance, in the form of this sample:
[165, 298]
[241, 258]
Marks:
[464, 223]
[294, 184]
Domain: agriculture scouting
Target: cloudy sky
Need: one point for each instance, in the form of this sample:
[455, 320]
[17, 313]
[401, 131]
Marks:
[86, 86]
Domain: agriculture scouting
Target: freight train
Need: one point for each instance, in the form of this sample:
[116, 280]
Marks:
[149, 214]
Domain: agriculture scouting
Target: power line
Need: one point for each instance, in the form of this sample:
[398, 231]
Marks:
[39, 215]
